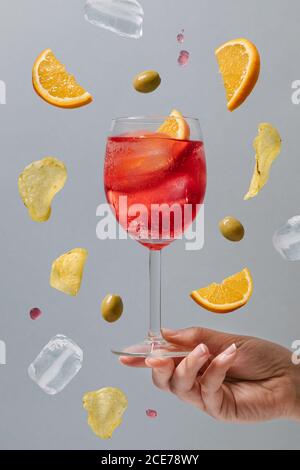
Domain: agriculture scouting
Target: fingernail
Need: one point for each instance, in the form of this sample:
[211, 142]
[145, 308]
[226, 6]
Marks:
[229, 351]
[166, 331]
[149, 362]
[153, 361]
[200, 350]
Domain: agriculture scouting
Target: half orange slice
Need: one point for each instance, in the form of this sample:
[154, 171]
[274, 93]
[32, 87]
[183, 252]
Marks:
[55, 85]
[232, 294]
[175, 126]
[239, 64]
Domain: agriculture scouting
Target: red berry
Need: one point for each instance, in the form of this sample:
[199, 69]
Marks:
[180, 36]
[183, 58]
[151, 413]
[35, 313]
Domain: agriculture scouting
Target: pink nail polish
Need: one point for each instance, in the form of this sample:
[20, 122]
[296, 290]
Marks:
[229, 351]
[201, 350]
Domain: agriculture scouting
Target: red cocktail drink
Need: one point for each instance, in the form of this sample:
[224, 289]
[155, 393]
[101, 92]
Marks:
[155, 185]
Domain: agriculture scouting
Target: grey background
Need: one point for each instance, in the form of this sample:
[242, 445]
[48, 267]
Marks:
[30, 129]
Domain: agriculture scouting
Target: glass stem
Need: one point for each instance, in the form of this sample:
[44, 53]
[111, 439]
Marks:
[155, 295]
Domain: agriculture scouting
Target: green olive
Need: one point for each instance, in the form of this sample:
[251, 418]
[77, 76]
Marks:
[111, 308]
[232, 229]
[146, 82]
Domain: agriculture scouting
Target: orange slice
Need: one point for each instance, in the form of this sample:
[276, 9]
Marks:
[232, 294]
[55, 85]
[239, 64]
[175, 126]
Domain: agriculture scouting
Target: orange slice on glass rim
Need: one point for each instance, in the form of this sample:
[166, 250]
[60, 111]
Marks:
[239, 64]
[232, 294]
[175, 126]
[55, 85]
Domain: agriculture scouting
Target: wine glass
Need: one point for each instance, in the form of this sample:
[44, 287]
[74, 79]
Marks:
[155, 184]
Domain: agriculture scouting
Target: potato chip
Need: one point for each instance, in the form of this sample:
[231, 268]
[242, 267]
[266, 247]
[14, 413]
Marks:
[67, 271]
[105, 409]
[38, 183]
[267, 146]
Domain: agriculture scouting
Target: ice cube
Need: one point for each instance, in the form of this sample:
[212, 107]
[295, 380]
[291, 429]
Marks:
[138, 162]
[56, 365]
[286, 239]
[124, 17]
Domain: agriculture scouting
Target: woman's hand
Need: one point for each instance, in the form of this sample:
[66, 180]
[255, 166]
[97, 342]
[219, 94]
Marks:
[232, 378]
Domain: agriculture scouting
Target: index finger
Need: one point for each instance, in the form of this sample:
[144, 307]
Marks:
[141, 361]
[191, 337]
[132, 361]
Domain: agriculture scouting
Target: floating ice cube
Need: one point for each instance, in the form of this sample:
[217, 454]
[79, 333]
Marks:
[56, 365]
[286, 240]
[124, 17]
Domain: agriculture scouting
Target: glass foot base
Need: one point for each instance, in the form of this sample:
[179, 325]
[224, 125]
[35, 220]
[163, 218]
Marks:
[152, 348]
